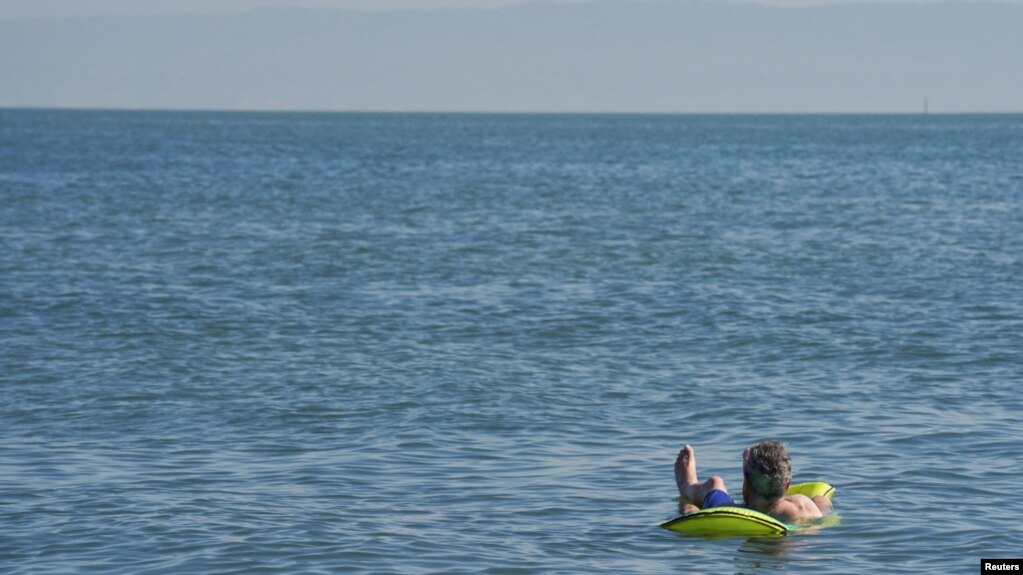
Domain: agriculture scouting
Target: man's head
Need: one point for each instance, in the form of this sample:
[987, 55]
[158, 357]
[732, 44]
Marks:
[766, 472]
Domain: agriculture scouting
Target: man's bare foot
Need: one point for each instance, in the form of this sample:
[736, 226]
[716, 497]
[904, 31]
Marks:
[685, 473]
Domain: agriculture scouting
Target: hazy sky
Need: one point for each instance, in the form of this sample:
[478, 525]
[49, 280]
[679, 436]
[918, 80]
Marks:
[544, 55]
[12, 9]
[15, 9]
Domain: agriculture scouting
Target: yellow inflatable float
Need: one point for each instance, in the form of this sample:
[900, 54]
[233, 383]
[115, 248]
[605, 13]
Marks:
[746, 522]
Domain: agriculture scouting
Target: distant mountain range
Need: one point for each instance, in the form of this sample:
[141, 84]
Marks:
[611, 56]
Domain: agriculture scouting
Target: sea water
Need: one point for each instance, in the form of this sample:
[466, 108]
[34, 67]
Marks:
[357, 343]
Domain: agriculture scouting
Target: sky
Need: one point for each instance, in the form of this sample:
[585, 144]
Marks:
[775, 56]
[17, 9]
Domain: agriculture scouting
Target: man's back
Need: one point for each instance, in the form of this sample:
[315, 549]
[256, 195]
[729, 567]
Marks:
[798, 509]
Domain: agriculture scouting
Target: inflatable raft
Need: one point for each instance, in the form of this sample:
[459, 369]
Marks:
[745, 522]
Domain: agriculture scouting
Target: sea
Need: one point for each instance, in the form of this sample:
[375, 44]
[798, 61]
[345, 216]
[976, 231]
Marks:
[260, 343]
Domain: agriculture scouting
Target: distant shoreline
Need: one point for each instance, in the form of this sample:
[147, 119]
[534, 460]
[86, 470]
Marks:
[484, 112]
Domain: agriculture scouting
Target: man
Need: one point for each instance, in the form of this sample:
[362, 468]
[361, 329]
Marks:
[766, 475]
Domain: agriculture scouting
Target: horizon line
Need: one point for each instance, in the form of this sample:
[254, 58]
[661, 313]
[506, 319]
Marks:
[214, 110]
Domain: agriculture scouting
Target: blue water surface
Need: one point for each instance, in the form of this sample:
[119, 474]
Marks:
[356, 343]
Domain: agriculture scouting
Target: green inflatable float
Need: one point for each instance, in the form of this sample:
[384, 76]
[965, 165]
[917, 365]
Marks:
[747, 522]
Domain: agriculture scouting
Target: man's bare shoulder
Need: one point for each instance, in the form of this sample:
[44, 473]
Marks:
[796, 509]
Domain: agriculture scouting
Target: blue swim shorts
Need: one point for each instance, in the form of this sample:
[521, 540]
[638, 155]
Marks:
[717, 498]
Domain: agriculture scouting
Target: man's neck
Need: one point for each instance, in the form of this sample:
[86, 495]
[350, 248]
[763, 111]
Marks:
[762, 505]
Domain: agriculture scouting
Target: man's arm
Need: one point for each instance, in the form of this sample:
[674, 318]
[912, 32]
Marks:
[822, 503]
